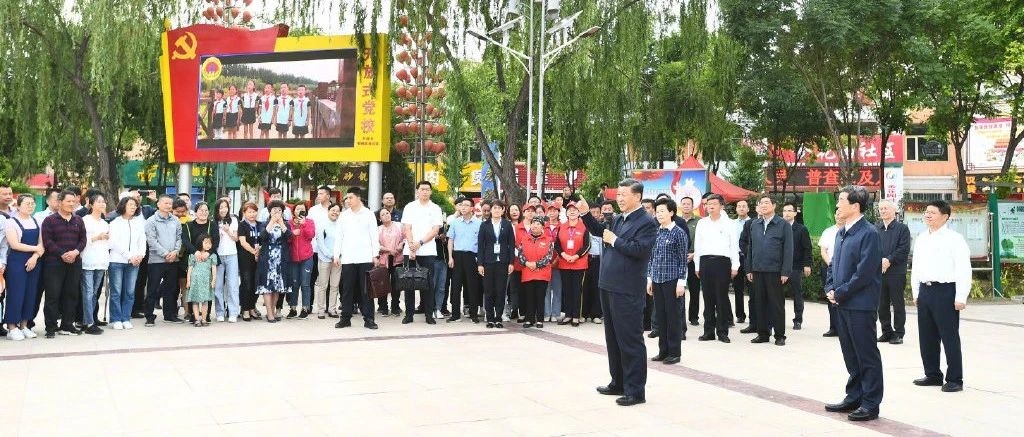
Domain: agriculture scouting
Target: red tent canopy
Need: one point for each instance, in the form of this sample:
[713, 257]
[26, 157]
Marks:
[730, 192]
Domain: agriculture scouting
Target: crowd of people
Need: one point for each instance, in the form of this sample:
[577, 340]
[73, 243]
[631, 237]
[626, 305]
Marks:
[491, 262]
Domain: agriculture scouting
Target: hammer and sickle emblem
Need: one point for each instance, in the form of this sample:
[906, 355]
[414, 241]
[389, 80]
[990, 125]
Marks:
[185, 47]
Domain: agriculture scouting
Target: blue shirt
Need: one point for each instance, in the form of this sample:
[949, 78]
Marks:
[668, 258]
[464, 234]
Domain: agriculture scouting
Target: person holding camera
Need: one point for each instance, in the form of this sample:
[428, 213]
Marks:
[301, 265]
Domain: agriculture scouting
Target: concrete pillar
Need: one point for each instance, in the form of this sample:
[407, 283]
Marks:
[185, 178]
[376, 185]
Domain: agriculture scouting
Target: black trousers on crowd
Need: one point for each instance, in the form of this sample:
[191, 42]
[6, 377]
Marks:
[139, 307]
[693, 285]
[938, 321]
[624, 337]
[63, 294]
[892, 295]
[670, 321]
[247, 284]
[591, 298]
[464, 278]
[162, 284]
[795, 284]
[739, 285]
[572, 292]
[532, 307]
[426, 296]
[515, 285]
[832, 314]
[353, 285]
[771, 307]
[860, 353]
[714, 285]
[382, 302]
[495, 281]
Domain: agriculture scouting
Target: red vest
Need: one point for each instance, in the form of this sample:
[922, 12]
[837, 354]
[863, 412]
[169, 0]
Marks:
[535, 249]
[520, 233]
[578, 235]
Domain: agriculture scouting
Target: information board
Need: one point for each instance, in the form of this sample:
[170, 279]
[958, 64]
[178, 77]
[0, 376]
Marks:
[969, 219]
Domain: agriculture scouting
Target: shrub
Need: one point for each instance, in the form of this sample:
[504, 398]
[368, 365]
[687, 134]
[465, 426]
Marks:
[1013, 280]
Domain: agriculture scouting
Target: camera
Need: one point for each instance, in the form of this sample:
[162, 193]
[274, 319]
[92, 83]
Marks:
[302, 214]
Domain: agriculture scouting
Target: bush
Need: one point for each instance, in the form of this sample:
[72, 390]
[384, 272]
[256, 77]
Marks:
[441, 200]
[812, 285]
[1013, 280]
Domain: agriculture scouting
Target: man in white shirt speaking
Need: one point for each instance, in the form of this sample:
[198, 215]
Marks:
[716, 261]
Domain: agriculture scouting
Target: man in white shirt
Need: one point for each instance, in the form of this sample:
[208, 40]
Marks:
[941, 282]
[826, 244]
[422, 220]
[275, 194]
[318, 212]
[715, 261]
[355, 249]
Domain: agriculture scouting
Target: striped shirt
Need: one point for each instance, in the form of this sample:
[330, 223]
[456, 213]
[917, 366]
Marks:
[668, 257]
[61, 235]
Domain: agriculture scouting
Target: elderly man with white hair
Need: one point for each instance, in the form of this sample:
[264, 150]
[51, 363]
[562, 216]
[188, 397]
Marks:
[895, 251]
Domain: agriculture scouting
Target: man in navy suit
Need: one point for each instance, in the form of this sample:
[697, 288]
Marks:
[628, 241]
[854, 287]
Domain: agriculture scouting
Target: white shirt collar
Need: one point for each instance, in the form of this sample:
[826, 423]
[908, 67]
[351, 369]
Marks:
[671, 224]
[850, 224]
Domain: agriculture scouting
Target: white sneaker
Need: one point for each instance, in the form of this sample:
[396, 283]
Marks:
[15, 334]
[127, 325]
[438, 315]
[232, 319]
[28, 333]
[505, 318]
[597, 320]
[220, 318]
[117, 325]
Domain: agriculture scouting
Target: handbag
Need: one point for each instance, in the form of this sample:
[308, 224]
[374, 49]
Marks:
[412, 277]
[379, 281]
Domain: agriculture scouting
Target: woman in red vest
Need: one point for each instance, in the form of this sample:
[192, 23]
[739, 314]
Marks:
[572, 246]
[536, 251]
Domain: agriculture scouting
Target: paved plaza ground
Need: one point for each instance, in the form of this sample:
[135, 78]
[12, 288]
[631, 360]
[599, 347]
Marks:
[303, 377]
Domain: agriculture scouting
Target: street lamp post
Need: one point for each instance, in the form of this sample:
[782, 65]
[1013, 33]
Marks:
[543, 59]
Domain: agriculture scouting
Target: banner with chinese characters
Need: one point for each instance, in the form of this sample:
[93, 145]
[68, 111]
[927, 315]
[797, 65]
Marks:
[810, 178]
[240, 95]
[975, 182]
[893, 189]
[986, 145]
[868, 154]
[473, 172]
[1011, 231]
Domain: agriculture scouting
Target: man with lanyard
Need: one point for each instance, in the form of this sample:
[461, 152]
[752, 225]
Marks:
[463, 234]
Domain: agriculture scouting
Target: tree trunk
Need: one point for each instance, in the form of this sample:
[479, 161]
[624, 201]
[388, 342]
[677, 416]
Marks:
[1015, 137]
[107, 179]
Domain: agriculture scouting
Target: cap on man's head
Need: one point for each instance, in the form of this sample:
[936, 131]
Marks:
[539, 219]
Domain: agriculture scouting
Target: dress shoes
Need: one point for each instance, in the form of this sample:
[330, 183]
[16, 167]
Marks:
[741, 320]
[842, 407]
[671, 360]
[627, 401]
[610, 390]
[780, 341]
[724, 339]
[797, 325]
[369, 325]
[862, 415]
[830, 333]
[926, 381]
[658, 357]
[407, 319]
[896, 340]
[454, 319]
[652, 334]
[951, 387]
[430, 321]
[343, 323]
[885, 338]
[759, 339]
[748, 330]
[706, 337]
[694, 323]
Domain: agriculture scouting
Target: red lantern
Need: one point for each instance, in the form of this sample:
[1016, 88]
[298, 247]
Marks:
[399, 109]
[410, 109]
[402, 147]
[209, 13]
[430, 108]
[403, 20]
[441, 129]
[220, 11]
[400, 128]
[247, 2]
[428, 145]
[247, 16]
[411, 128]
[414, 72]
[402, 92]
[402, 75]
[427, 92]
[439, 147]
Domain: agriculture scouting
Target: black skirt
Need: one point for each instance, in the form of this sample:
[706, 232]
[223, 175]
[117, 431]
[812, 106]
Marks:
[248, 115]
[265, 126]
[231, 121]
[300, 130]
[217, 121]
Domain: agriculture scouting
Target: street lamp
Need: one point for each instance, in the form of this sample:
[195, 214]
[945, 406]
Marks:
[552, 9]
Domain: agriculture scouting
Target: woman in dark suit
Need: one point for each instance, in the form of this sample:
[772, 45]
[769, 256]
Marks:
[248, 248]
[495, 249]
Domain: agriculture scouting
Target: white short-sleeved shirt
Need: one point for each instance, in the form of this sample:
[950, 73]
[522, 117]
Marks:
[422, 218]
[827, 240]
[226, 246]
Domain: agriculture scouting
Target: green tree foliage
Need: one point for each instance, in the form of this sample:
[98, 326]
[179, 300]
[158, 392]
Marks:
[398, 179]
[747, 169]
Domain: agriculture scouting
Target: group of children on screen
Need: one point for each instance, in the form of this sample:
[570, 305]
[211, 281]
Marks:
[271, 111]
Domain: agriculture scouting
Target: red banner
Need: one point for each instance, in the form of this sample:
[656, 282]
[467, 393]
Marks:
[868, 154]
[822, 177]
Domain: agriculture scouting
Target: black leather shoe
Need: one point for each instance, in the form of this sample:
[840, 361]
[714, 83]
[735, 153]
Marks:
[475, 319]
[706, 337]
[748, 330]
[627, 401]
[407, 320]
[862, 415]
[430, 321]
[671, 360]
[884, 338]
[454, 319]
[896, 340]
[951, 387]
[652, 334]
[842, 407]
[369, 325]
[343, 323]
[780, 341]
[759, 339]
[724, 339]
[741, 320]
[498, 325]
[694, 323]
[830, 333]
[797, 326]
[926, 382]
[658, 357]
[610, 390]
[490, 324]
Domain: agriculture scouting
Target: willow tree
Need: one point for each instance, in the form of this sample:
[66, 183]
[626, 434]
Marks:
[70, 68]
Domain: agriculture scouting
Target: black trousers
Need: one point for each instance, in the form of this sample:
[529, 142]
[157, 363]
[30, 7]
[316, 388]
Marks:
[426, 296]
[591, 298]
[163, 283]
[739, 285]
[714, 285]
[139, 306]
[515, 284]
[860, 353]
[624, 337]
[247, 283]
[832, 323]
[693, 285]
[495, 281]
[382, 302]
[670, 321]
[939, 322]
[63, 294]
[465, 278]
[795, 285]
[892, 295]
[771, 307]
[353, 284]
[572, 292]
[39, 295]
[532, 308]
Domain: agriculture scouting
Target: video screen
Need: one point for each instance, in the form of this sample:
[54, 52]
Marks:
[285, 99]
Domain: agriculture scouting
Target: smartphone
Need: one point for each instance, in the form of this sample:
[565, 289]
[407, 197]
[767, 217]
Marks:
[302, 214]
[607, 217]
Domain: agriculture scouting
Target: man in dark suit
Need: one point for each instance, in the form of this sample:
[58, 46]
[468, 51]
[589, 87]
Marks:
[895, 247]
[770, 258]
[628, 243]
[854, 287]
[801, 262]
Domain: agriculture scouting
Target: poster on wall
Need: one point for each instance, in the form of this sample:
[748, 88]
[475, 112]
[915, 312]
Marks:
[969, 219]
[1011, 231]
[893, 184]
[676, 183]
[986, 145]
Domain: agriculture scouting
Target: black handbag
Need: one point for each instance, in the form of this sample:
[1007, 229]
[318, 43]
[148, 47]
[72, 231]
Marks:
[412, 277]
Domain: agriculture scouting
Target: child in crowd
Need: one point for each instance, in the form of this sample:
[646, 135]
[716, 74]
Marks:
[202, 271]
